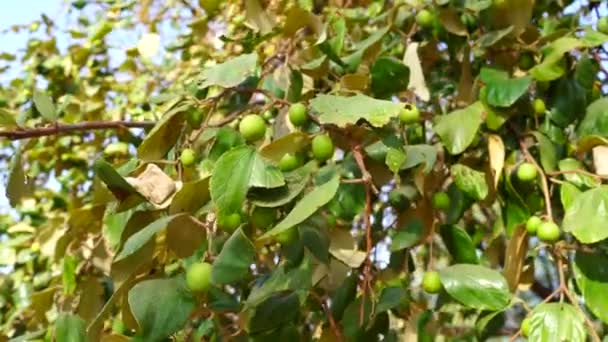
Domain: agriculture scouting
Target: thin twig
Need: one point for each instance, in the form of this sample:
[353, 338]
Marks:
[330, 317]
[543, 178]
[56, 129]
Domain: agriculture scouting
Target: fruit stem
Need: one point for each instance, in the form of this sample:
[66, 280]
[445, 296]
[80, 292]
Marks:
[543, 178]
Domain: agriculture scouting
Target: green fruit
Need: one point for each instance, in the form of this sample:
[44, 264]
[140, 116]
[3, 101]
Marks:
[252, 127]
[525, 327]
[287, 237]
[548, 232]
[409, 114]
[229, 222]
[288, 162]
[297, 115]
[322, 147]
[532, 224]
[187, 157]
[441, 201]
[262, 218]
[539, 107]
[602, 25]
[425, 18]
[268, 115]
[526, 172]
[526, 61]
[198, 277]
[195, 118]
[431, 282]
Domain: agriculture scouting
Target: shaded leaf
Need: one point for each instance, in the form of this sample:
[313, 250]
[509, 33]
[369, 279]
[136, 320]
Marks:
[161, 307]
[459, 244]
[165, 133]
[503, 91]
[389, 76]
[307, 206]
[230, 73]
[232, 264]
[139, 239]
[591, 274]
[586, 217]
[69, 328]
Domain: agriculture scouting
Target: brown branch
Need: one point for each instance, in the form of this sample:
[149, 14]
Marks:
[59, 129]
[330, 317]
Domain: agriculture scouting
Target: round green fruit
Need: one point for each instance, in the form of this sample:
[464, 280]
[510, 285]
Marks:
[539, 107]
[195, 118]
[187, 157]
[409, 114]
[602, 25]
[431, 282]
[252, 127]
[441, 201]
[525, 327]
[548, 232]
[526, 172]
[425, 18]
[229, 222]
[288, 162]
[297, 115]
[116, 149]
[198, 277]
[262, 218]
[322, 147]
[526, 61]
[532, 224]
[287, 237]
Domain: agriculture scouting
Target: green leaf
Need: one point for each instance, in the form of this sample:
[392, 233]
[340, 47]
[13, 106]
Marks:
[407, 236]
[389, 76]
[230, 73]
[420, 154]
[163, 136]
[476, 286]
[391, 297]
[493, 37]
[595, 121]
[503, 91]
[291, 143]
[343, 111]
[459, 244]
[586, 217]
[296, 181]
[161, 307]
[44, 104]
[568, 193]
[471, 182]
[579, 179]
[68, 274]
[457, 129]
[114, 181]
[307, 206]
[7, 119]
[594, 38]
[283, 278]
[235, 172]
[16, 187]
[191, 197]
[274, 312]
[550, 69]
[69, 328]
[568, 98]
[548, 152]
[232, 264]
[395, 159]
[591, 274]
[556, 322]
[139, 239]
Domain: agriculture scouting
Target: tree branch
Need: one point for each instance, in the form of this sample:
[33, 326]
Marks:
[58, 129]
